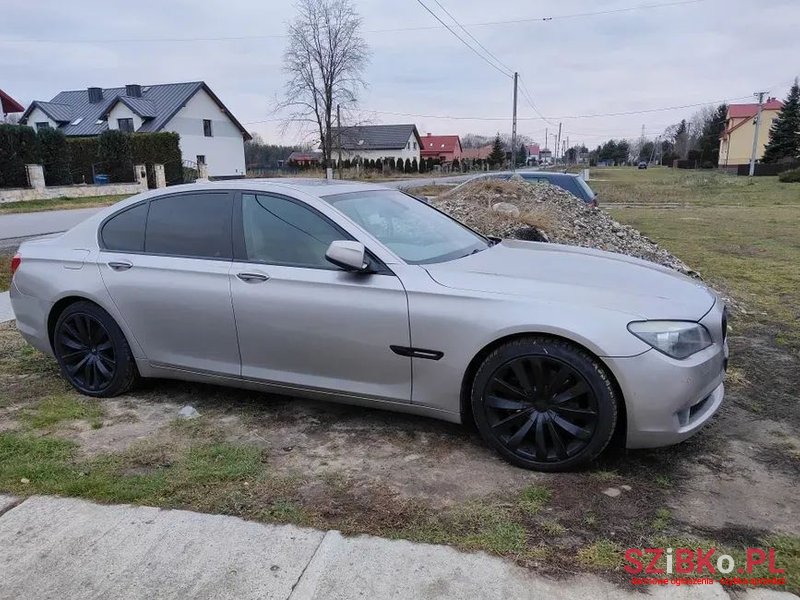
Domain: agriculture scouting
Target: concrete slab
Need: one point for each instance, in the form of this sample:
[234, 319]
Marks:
[64, 548]
[6, 314]
[370, 567]
[7, 502]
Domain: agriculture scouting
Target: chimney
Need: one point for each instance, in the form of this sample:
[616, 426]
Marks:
[95, 95]
[133, 90]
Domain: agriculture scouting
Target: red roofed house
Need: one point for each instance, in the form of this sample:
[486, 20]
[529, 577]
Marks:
[446, 148]
[533, 154]
[8, 105]
[736, 142]
[305, 159]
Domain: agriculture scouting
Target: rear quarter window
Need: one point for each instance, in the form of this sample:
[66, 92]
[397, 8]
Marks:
[124, 232]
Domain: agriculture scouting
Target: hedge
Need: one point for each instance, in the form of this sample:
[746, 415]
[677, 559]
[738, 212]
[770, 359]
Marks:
[55, 157]
[82, 154]
[792, 176]
[19, 146]
[162, 148]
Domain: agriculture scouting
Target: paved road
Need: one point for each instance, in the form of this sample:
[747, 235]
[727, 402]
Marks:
[65, 548]
[14, 228]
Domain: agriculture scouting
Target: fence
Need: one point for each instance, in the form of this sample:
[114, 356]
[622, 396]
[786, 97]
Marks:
[766, 169]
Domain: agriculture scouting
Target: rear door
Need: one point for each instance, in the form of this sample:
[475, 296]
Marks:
[165, 264]
[306, 323]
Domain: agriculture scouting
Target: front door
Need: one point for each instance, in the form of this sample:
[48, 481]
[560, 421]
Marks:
[304, 322]
[166, 265]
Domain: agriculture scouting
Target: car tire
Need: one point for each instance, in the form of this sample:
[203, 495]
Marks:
[544, 404]
[92, 351]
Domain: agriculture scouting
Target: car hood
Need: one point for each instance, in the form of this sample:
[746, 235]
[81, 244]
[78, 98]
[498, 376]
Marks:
[572, 275]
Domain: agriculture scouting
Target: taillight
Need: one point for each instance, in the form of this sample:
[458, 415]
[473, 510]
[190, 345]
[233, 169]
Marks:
[15, 262]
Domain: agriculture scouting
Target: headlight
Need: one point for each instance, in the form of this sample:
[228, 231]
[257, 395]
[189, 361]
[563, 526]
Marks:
[678, 339]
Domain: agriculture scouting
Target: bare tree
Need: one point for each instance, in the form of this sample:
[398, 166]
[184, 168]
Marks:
[325, 62]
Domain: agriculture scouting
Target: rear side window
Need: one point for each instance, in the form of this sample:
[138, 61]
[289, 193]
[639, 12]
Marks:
[194, 225]
[124, 232]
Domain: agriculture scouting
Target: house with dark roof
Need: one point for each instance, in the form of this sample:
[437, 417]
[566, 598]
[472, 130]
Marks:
[736, 141]
[371, 142]
[209, 133]
[445, 148]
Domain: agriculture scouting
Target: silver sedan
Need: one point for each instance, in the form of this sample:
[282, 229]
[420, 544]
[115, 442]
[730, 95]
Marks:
[361, 294]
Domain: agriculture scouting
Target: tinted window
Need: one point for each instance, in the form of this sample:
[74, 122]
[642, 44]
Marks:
[196, 225]
[124, 232]
[279, 231]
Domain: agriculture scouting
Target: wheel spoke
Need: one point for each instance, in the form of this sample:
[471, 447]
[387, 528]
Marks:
[509, 419]
[69, 355]
[571, 428]
[88, 373]
[503, 403]
[541, 446]
[107, 361]
[561, 450]
[519, 371]
[576, 390]
[102, 370]
[515, 440]
[77, 367]
[80, 327]
[70, 343]
[539, 380]
[104, 346]
[510, 388]
[561, 377]
[575, 412]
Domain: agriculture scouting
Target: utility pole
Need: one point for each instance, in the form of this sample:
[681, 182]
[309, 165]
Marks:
[339, 137]
[755, 134]
[514, 128]
[558, 141]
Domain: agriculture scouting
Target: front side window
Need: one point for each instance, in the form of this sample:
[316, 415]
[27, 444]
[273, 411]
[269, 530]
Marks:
[124, 232]
[207, 128]
[125, 125]
[193, 225]
[279, 231]
[411, 229]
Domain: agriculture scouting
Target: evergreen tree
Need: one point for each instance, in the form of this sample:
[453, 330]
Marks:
[784, 135]
[414, 165]
[708, 143]
[498, 153]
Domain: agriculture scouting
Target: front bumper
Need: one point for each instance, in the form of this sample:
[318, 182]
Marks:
[669, 400]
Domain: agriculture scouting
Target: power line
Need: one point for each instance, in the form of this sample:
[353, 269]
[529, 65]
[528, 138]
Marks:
[484, 48]
[481, 56]
[236, 38]
[530, 101]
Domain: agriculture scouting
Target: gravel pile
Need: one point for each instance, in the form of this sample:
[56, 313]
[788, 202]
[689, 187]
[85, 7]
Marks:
[542, 212]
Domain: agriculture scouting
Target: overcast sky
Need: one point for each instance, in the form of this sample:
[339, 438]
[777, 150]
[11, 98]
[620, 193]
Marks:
[697, 52]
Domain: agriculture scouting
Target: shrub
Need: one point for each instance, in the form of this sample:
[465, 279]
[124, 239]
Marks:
[158, 148]
[414, 165]
[114, 155]
[792, 176]
[408, 166]
[392, 163]
[82, 156]
[379, 165]
[55, 157]
[18, 146]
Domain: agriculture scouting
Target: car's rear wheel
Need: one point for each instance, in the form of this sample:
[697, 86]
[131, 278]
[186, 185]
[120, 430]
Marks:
[92, 351]
[544, 403]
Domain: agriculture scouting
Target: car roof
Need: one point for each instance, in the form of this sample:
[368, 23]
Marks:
[314, 187]
[523, 174]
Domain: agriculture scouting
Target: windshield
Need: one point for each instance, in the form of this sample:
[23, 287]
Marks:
[589, 191]
[410, 228]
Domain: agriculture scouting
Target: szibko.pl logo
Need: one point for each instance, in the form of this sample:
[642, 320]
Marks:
[706, 565]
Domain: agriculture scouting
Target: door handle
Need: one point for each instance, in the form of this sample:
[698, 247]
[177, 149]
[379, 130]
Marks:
[252, 277]
[120, 265]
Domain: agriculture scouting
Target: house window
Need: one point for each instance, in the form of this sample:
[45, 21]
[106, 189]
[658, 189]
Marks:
[415, 145]
[42, 125]
[408, 145]
[201, 159]
[125, 125]
[207, 128]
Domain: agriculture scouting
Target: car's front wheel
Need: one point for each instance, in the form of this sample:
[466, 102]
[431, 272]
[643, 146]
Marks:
[92, 351]
[544, 403]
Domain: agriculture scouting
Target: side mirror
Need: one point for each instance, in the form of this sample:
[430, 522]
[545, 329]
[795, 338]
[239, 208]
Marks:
[348, 255]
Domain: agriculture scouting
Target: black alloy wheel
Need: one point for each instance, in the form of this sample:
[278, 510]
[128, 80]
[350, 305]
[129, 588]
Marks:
[92, 351]
[544, 404]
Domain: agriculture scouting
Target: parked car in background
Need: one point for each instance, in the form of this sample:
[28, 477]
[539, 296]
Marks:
[358, 293]
[574, 184]
[642, 164]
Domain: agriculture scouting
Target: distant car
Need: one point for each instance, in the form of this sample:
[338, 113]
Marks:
[574, 184]
[642, 165]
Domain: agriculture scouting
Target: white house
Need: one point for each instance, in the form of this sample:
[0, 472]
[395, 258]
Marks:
[209, 133]
[371, 142]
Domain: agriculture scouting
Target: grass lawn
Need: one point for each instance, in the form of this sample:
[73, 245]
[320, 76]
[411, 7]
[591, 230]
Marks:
[5, 270]
[58, 204]
[741, 234]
